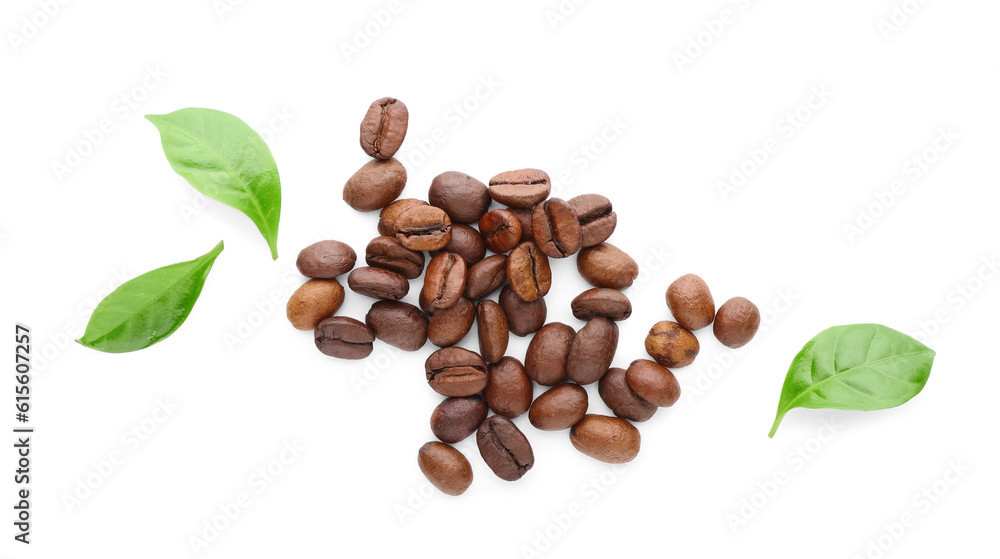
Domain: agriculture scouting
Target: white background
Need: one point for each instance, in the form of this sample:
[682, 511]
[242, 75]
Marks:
[700, 486]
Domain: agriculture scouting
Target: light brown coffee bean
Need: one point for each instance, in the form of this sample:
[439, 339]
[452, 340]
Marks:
[486, 276]
[597, 218]
[444, 282]
[375, 185]
[602, 301]
[691, 302]
[592, 351]
[608, 439]
[447, 327]
[528, 272]
[445, 467]
[455, 371]
[423, 228]
[556, 228]
[315, 300]
[326, 260]
[622, 400]
[545, 360]
[524, 216]
[389, 214]
[384, 127]
[671, 345]
[653, 383]
[501, 230]
[736, 322]
[493, 332]
[520, 189]
[606, 265]
[509, 390]
[559, 408]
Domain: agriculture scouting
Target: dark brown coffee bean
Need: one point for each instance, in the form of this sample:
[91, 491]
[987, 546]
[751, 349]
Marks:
[456, 418]
[606, 265]
[378, 283]
[465, 242]
[597, 218]
[622, 400]
[315, 300]
[545, 361]
[592, 351]
[601, 301]
[736, 322]
[691, 302]
[556, 228]
[444, 281]
[448, 326]
[388, 254]
[486, 276]
[455, 371]
[653, 383]
[509, 390]
[501, 230]
[423, 228]
[608, 439]
[344, 337]
[504, 448]
[384, 127]
[520, 189]
[493, 332]
[398, 324]
[559, 408]
[671, 345]
[528, 272]
[463, 197]
[445, 467]
[375, 185]
[524, 216]
[523, 318]
[326, 260]
[389, 214]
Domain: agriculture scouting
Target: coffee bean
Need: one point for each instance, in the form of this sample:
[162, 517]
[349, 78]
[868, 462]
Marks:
[463, 197]
[375, 185]
[528, 272]
[388, 254]
[493, 332]
[456, 418]
[653, 383]
[378, 283]
[344, 337]
[608, 439]
[504, 448]
[592, 351]
[622, 400]
[523, 318]
[501, 230]
[398, 324]
[556, 228]
[559, 408]
[601, 301]
[597, 218]
[545, 360]
[524, 216]
[445, 467]
[384, 127]
[326, 259]
[671, 345]
[486, 276]
[423, 228]
[448, 326]
[691, 302]
[736, 322]
[465, 242]
[444, 281]
[509, 390]
[520, 189]
[315, 300]
[390, 214]
[455, 371]
[605, 265]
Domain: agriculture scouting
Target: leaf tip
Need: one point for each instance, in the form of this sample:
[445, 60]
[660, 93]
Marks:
[774, 428]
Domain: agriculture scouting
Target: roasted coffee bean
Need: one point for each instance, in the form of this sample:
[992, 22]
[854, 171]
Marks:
[545, 361]
[398, 324]
[315, 300]
[509, 390]
[389, 214]
[465, 242]
[736, 322]
[445, 467]
[601, 301]
[622, 400]
[523, 318]
[456, 418]
[378, 283]
[520, 189]
[608, 439]
[444, 281]
[501, 230]
[671, 345]
[691, 302]
[653, 383]
[344, 337]
[493, 332]
[504, 448]
[559, 408]
[486, 276]
[528, 272]
[388, 254]
[463, 197]
[375, 185]
[423, 228]
[448, 326]
[384, 127]
[597, 218]
[605, 265]
[556, 228]
[326, 260]
[592, 351]
[455, 371]
[524, 216]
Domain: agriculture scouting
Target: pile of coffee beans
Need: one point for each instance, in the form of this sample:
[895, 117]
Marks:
[446, 239]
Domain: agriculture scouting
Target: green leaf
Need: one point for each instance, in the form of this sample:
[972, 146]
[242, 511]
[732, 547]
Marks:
[147, 309]
[855, 367]
[226, 160]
